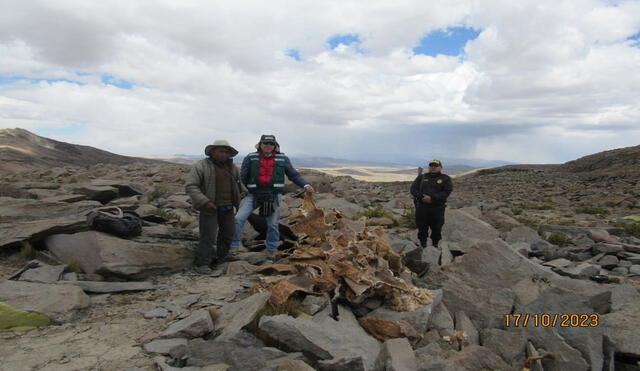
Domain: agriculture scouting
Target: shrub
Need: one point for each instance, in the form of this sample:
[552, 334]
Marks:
[530, 222]
[408, 218]
[632, 229]
[27, 251]
[559, 239]
[158, 192]
[537, 207]
[593, 210]
[516, 210]
[375, 211]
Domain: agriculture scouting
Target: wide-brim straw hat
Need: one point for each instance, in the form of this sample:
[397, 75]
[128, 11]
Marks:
[220, 143]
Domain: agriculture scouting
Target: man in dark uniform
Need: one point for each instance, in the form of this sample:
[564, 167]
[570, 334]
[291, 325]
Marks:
[430, 191]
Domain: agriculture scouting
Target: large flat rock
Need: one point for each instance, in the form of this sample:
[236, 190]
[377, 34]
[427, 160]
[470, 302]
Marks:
[104, 254]
[323, 337]
[59, 302]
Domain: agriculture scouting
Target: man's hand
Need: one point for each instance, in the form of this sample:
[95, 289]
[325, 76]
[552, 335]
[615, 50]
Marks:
[426, 199]
[243, 195]
[308, 188]
[210, 206]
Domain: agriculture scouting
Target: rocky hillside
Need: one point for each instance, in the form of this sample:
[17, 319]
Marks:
[350, 289]
[621, 162]
[21, 150]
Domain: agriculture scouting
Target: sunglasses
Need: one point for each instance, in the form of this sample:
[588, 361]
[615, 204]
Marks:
[269, 143]
[433, 164]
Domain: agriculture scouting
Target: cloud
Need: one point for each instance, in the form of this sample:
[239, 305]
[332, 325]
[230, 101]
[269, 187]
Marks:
[151, 77]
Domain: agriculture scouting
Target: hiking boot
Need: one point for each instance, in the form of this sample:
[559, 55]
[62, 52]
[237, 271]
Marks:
[203, 269]
[227, 259]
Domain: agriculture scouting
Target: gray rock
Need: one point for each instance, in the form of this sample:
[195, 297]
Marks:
[558, 263]
[632, 257]
[16, 232]
[588, 341]
[346, 208]
[431, 256]
[620, 271]
[418, 318]
[313, 304]
[43, 273]
[234, 316]
[507, 344]
[580, 270]
[293, 365]
[522, 234]
[634, 269]
[601, 235]
[622, 329]
[461, 226]
[607, 248]
[104, 254]
[533, 352]
[396, 355]
[323, 337]
[342, 364]
[446, 257]
[156, 313]
[164, 346]
[433, 358]
[608, 262]
[59, 302]
[476, 357]
[240, 356]
[107, 287]
[102, 194]
[441, 320]
[199, 323]
[625, 263]
[239, 267]
[464, 324]
[255, 258]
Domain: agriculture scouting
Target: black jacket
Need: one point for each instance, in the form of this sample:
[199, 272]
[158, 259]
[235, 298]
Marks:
[436, 185]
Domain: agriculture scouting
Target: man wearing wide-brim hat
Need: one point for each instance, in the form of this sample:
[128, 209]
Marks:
[215, 189]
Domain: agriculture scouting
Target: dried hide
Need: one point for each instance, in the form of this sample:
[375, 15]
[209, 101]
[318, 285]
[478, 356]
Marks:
[335, 252]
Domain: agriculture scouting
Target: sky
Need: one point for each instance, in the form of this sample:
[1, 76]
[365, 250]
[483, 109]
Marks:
[528, 81]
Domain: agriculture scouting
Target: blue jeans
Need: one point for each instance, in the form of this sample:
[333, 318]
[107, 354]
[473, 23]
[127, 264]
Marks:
[246, 208]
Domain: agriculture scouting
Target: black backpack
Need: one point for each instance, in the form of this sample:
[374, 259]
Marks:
[114, 221]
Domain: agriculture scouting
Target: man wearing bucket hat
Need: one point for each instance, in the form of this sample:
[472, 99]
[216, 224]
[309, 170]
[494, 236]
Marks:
[215, 190]
[263, 173]
[431, 191]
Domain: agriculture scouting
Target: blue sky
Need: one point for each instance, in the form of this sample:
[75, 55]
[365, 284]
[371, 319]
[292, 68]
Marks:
[537, 81]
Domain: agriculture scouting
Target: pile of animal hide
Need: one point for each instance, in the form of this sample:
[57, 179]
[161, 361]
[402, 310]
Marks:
[341, 259]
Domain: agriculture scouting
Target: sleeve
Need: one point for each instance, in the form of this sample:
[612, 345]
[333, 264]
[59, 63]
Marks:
[244, 171]
[293, 174]
[443, 194]
[236, 174]
[415, 187]
[192, 187]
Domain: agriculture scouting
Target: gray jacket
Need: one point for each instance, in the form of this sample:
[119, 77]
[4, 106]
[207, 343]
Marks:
[201, 184]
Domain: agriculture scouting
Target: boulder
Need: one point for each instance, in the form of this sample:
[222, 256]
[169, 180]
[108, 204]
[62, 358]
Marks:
[396, 355]
[322, 337]
[418, 318]
[59, 302]
[98, 252]
[346, 208]
[461, 226]
[165, 346]
[234, 316]
[198, 324]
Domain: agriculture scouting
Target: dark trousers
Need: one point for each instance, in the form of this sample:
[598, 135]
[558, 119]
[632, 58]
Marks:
[216, 232]
[429, 218]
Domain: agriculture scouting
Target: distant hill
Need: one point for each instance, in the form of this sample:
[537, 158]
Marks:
[21, 150]
[623, 162]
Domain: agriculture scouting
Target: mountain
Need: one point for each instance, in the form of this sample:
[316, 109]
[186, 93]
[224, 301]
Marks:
[621, 162]
[21, 150]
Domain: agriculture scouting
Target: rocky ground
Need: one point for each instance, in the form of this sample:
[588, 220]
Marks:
[544, 242]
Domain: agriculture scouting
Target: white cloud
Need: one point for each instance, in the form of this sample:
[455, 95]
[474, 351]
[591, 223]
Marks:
[205, 70]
